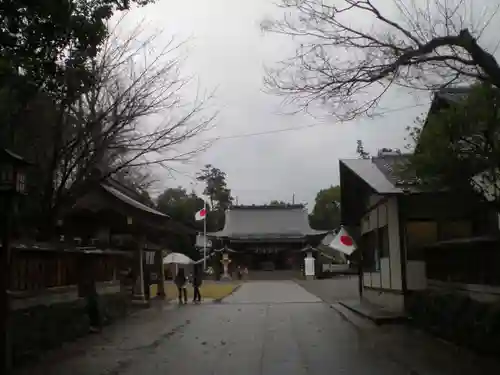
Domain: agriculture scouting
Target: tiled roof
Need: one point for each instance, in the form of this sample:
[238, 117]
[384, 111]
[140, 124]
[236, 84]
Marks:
[266, 222]
[453, 94]
[6, 154]
[387, 174]
[132, 202]
[395, 170]
[372, 175]
[384, 174]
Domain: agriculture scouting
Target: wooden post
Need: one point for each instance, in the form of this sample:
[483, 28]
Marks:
[360, 272]
[5, 257]
[161, 274]
[5, 354]
[139, 296]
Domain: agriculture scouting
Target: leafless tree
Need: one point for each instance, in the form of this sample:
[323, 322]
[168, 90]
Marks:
[135, 114]
[352, 51]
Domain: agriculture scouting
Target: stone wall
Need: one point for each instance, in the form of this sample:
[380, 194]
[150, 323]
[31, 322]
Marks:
[43, 326]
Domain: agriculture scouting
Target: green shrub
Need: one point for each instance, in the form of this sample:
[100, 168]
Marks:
[458, 318]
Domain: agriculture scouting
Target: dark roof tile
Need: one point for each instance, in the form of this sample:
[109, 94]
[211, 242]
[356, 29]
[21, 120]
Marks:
[254, 222]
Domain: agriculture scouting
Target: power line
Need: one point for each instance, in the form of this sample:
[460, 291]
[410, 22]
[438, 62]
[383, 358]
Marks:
[268, 132]
[247, 135]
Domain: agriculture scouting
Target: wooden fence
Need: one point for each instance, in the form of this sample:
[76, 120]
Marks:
[35, 269]
[468, 261]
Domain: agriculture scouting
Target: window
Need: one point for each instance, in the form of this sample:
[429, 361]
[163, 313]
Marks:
[418, 235]
[371, 256]
[21, 182]
[383, 242]
[450, 230]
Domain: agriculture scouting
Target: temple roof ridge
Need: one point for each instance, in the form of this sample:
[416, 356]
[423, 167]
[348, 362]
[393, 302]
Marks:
[266, 222]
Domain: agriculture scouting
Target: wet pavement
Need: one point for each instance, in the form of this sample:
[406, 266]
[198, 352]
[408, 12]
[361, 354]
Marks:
[332, 290]
[271, 292]
[263, 328]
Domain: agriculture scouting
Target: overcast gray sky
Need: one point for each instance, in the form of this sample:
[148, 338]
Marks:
[227, 52]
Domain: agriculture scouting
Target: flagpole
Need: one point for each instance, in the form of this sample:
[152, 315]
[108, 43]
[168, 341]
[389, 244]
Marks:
[205, 237]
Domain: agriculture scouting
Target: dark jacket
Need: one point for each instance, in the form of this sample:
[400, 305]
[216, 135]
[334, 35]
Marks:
[180, 279]
[197, 278]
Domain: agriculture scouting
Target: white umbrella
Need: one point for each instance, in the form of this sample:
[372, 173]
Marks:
[177, 258]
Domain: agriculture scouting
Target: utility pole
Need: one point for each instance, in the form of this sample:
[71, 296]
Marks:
[205, 236]
[293, 198]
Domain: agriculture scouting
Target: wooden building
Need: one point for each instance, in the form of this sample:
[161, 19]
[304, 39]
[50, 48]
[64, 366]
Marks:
[111, 217]
[394, 219]
[267, 238]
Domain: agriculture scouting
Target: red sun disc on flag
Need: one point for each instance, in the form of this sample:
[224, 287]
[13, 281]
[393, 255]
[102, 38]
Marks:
[203, 212]
[346, 240]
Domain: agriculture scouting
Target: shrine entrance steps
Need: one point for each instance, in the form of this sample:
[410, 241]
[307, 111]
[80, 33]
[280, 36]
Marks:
[273, 275]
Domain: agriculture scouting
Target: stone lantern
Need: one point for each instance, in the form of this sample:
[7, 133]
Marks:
[225, 264]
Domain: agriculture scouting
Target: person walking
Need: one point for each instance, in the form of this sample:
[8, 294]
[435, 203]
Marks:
[181, 283]
[196, 281]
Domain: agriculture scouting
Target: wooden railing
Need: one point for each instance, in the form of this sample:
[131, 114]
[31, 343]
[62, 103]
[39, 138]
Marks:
[469, 261]
[35, 269]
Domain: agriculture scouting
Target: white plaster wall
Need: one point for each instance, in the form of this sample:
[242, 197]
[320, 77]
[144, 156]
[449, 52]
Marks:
[376, 280]
[376, 218]
[415, 275]
[388, 300]
[367, 279]
[395, 254]
[389, 276]
[374, 199]
[365, 224]
[382, 215]
[373, 218]
[385, 270]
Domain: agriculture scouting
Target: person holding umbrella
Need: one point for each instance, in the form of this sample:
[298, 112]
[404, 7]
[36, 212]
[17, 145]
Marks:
[180, 279]
[196, 281]
[181, 283]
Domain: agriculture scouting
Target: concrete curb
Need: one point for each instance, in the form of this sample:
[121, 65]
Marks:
[359, 322]
[378, 320]
[220, 300]
[344, 316]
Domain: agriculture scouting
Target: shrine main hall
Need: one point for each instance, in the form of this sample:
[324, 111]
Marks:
[266, 237]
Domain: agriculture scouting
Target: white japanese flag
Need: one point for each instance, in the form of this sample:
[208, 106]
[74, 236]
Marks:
[201, 214]
[343, 242]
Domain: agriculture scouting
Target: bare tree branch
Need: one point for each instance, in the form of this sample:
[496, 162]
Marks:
[134, 115]
[431, 43]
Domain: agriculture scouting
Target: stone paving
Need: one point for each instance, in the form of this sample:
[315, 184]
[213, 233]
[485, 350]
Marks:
[410, 348]
[266, 328]
[333, 290]
[274, 292]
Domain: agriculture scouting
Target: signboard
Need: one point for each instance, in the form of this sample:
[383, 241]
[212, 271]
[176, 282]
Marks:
[265, 250]
[309, 266]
